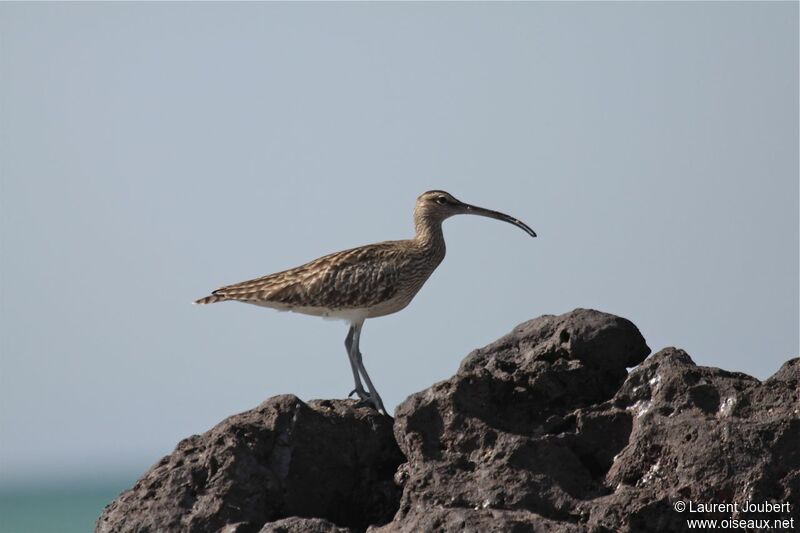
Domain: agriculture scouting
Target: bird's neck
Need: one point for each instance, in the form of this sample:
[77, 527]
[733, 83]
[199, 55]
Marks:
[429, 233]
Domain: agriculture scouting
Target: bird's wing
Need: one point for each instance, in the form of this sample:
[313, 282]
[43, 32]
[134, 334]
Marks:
[351, 279]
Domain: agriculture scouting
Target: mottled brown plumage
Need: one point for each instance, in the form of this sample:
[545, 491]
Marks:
[364, 282]
[375, 280]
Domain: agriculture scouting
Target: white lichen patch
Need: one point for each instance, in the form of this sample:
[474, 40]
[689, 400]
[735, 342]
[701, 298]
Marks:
[748, 493]
[726, 406]
[651, 474]
[641, 407]
[482, 505]
[655, 382]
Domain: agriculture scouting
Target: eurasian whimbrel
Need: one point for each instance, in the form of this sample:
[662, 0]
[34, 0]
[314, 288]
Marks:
[365, 282]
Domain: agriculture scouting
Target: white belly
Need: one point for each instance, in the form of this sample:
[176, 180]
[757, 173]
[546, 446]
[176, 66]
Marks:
[349, 315]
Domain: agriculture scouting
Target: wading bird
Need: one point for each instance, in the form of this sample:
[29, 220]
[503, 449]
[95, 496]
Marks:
[364, 282]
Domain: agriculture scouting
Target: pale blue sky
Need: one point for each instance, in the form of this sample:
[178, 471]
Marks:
[152, 152]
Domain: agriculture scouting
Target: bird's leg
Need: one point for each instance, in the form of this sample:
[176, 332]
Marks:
[374, 397]
[348, 343]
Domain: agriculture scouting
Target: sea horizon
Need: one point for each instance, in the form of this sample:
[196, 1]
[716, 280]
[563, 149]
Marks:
[61, 506]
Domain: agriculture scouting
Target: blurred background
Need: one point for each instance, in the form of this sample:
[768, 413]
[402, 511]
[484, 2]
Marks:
[150, 153]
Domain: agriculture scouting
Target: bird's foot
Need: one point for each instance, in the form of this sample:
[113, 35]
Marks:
[369, 402]
[363, 395]
[365, 399]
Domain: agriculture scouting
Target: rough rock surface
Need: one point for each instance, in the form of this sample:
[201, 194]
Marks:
[702, 435]
[513, 432]
[542, 430]
[303, 525]
[324, 459]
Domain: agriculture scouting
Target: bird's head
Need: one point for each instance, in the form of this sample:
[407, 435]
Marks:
[440, 205]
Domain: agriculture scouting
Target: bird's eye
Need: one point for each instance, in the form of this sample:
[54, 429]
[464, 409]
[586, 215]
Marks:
[441, 200]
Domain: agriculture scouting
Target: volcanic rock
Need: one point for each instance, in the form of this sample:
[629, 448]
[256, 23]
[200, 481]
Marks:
[325, 459]
[303, 525]
[547, 429]
[513, 430]
[702, 435]
[544, 430]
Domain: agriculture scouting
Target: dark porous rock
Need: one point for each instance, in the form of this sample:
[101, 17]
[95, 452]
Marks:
[545, 430]
[513, 430]
[702, 435]
[547, 367]
[465, 520]
[322, 459]
[303, 525]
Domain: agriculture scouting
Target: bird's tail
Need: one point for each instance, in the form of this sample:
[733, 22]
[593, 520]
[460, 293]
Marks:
[214, 298]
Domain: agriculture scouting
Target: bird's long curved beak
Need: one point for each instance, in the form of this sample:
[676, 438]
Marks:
[475, 210]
